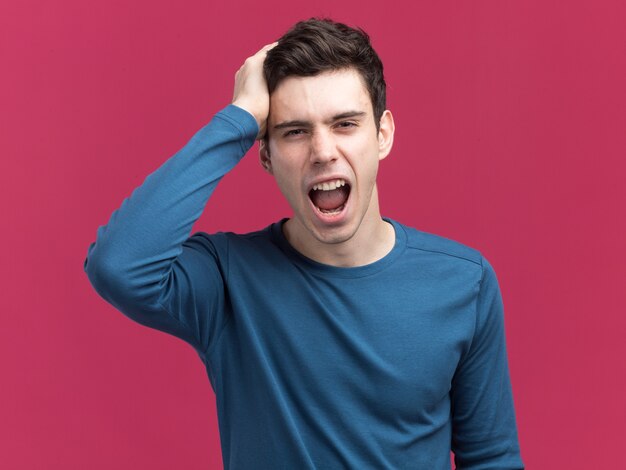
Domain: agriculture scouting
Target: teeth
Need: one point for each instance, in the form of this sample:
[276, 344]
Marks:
[329, 186]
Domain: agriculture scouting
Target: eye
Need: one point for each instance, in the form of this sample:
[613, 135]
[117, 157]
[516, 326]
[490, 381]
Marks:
[346, 124]
[294, 132]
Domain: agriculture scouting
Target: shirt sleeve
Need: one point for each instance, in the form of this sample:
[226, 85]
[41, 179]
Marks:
[144, 262]
[484, 431]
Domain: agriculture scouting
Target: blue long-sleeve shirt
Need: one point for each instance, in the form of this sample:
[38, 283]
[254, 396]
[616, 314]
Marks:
[385, 366]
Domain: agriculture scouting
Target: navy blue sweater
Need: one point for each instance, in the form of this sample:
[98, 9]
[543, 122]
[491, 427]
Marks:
[385, 366]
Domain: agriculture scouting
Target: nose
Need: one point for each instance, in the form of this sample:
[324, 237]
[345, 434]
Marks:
[323, 148]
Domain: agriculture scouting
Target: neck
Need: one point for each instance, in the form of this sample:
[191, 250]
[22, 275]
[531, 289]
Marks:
[373, 240]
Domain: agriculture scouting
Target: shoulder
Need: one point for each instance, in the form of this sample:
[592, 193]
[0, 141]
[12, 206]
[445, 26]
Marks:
[449, 258]
[437, 245]
[453, 261]
[447, 253]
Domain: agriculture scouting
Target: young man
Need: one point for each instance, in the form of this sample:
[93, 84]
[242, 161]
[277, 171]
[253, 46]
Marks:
[336, 338]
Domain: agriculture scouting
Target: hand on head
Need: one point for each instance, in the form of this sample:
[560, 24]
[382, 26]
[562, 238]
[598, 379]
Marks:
[251, 91]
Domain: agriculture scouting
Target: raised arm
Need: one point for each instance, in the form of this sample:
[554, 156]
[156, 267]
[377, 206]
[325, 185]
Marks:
[143, 261]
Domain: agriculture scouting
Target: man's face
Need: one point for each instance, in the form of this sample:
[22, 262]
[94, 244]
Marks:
[323, 149]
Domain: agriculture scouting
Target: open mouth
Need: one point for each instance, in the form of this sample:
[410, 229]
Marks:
[330, 197]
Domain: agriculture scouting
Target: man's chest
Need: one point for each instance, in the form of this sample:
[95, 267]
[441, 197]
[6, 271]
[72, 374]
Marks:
[394, 343]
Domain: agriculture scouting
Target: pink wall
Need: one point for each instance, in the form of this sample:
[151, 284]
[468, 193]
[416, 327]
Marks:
[511, 138]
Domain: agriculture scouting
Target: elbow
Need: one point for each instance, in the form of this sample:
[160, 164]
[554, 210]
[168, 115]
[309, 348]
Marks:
[104, 275]
[125, 285]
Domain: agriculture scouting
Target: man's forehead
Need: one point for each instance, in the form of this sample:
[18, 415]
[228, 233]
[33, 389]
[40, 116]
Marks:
[320, 96]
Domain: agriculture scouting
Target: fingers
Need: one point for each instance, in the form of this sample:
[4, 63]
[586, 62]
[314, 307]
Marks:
[256, 60]
[267, 47]
[259, 56]
[250, 91]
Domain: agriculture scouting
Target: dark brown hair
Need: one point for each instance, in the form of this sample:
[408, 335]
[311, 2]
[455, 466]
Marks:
[320, 45]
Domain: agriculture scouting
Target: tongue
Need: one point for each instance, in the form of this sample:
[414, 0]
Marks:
[330, 200]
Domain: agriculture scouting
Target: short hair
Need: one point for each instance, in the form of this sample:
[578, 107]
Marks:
[319, 45]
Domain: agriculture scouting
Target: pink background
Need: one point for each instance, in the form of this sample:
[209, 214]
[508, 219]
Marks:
[511, 138]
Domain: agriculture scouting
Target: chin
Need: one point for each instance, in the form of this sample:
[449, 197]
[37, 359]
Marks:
[333, 235]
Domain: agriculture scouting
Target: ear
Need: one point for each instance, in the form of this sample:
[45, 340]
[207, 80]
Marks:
[264, 156]
[385, 134]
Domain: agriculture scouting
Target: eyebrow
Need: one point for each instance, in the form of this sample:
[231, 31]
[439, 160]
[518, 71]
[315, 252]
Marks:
[336, 117]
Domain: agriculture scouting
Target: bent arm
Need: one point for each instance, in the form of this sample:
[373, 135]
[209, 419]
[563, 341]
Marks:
[484, 432]
[143, 261]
